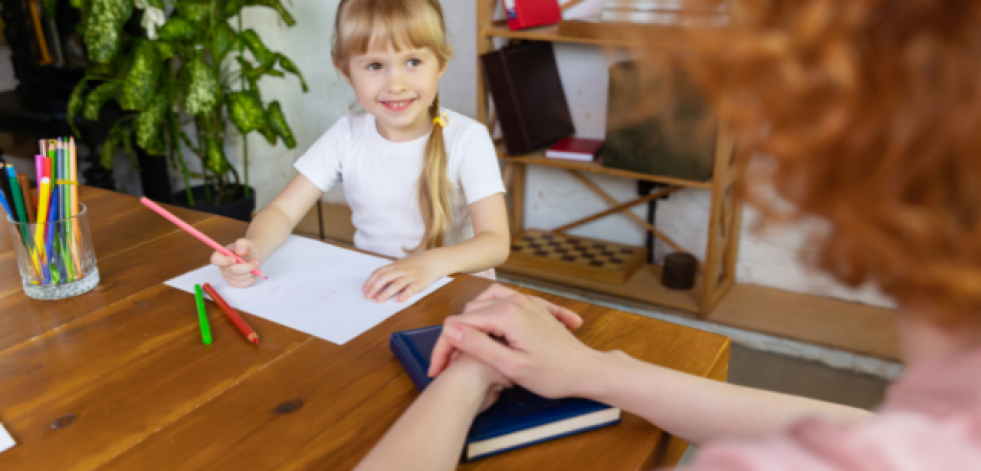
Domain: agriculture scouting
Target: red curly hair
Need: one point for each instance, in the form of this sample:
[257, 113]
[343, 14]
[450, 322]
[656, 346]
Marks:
[867, 114]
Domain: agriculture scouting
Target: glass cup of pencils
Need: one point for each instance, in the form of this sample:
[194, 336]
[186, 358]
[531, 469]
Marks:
[56, 258]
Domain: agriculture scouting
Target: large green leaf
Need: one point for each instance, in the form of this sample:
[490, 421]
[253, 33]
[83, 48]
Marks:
[215, 159]
[141, 82]
[195, 11]
[111, 144]
[149, 124]
[202, 94]
[103, 30]
[176, 29]
[231, 8]
[255, 74]
[97, 98]
[290, 67]
[165, 49]
[262, 54]
[75, 104]
[277, 122]
[268, 133]
[225, 40]
[245, 111]
[275, 5]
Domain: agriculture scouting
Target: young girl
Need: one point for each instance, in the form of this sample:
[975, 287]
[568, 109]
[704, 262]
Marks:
[423, 183]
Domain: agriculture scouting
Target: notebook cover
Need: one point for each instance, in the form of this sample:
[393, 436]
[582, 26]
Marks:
[585, 149]
[530, 13]
[527, 92]
[517, 409]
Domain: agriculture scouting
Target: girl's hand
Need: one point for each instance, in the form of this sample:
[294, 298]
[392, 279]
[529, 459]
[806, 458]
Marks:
[537, 352]
[405, 277]
[238, 275]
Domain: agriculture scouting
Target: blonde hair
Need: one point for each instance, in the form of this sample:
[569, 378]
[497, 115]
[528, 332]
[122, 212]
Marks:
[414, 24]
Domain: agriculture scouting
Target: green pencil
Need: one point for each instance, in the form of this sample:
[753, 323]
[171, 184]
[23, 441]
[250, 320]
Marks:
[18, 203]
[202, 316]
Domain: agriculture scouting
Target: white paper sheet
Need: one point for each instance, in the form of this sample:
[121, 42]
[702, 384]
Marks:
[312, 287]
[6, 441]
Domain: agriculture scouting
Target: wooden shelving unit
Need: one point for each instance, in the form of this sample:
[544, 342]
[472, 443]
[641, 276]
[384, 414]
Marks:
[717, 275]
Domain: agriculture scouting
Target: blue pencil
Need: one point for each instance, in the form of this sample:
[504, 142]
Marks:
[6, 207]
[49, 243]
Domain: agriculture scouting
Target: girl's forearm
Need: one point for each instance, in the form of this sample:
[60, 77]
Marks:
[431, 433]
[697, 409]
[268, 230]
[482, 251]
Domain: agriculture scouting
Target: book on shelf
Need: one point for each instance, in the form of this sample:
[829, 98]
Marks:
[523, 14]
[575, 148]
[527, 93]
[518, 419]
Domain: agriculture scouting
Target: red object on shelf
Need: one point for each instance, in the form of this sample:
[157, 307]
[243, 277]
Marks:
[575, 148]
[530, 13]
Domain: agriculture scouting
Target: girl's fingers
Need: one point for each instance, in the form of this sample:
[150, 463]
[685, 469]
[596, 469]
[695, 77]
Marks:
[375, 284]
[410, 290]
[241, 268]
[395, 287]
[369, 287]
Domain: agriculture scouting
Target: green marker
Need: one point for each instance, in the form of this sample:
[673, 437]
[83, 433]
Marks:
[202, 316]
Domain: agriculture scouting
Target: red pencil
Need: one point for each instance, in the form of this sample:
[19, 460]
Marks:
[235, 318]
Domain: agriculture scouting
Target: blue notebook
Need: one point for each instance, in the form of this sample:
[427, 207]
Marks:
[518, 419]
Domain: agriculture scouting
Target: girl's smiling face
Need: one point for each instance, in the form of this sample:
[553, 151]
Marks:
[397, 88]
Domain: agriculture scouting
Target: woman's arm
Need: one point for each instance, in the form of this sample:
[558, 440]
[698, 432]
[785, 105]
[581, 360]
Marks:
[488, 248]
[430, 434]
[543, 356]
[268, 230]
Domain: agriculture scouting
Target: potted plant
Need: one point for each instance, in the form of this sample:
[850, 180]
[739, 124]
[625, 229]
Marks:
[181, 74]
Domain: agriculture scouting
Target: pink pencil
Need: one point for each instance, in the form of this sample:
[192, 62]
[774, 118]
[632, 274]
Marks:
[196, 233]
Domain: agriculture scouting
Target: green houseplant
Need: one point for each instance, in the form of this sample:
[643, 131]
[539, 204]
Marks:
[181, 73]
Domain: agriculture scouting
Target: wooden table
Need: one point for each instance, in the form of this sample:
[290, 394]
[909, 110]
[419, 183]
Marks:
[118, 379]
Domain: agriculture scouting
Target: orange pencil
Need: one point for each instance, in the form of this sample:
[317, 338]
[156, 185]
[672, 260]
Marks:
[232, 315]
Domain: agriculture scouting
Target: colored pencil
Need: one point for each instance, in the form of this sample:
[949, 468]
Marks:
[25, 187]
[236, 319]
[8, 198]
[196, 233]
[17, 204]
[42, 215]
[202, 316]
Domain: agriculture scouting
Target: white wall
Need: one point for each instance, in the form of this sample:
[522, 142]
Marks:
[553, 197]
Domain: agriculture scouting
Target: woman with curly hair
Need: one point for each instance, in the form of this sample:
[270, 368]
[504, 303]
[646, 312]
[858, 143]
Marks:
[865, 114]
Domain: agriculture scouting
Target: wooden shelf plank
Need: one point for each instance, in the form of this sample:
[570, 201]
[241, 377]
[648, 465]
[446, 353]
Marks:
[499, 29]
[620, 35]
[597, 167]
[644, 285]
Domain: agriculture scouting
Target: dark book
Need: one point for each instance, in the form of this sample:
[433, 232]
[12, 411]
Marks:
[518, 419]
[528, 96]
[575, 148]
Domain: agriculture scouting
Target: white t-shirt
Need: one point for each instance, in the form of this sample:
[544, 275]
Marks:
[380, 178]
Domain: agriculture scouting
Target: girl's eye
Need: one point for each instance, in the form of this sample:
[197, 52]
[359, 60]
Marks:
[374, 66]
[414, 62]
